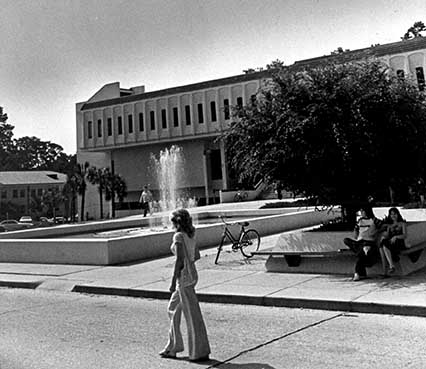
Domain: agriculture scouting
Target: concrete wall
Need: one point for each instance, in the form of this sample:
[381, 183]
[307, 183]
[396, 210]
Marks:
[128, 248]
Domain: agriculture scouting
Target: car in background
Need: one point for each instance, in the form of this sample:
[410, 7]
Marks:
[57, 220]
[14, 225]
[25, 219]
[44, 222]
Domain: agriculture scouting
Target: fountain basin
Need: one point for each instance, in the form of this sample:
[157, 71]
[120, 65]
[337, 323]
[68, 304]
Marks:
[30, 247]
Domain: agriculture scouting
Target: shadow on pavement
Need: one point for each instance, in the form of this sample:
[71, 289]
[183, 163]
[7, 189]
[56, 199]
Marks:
[212, 363]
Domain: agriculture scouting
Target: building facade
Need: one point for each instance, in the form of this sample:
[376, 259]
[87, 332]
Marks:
[123, 128]
[18, 189]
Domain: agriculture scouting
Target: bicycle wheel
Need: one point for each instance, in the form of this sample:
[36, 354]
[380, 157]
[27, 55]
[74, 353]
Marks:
[250, 242]
[219, 249]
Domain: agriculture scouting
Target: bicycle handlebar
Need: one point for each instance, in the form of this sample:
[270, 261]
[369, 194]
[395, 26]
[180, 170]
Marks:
[241, 224]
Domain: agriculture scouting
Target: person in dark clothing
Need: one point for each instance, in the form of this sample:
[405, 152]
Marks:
[393, 240]
[364, 244]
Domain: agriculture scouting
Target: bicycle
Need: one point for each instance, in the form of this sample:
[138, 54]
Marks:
[240, 196]
[248, 241]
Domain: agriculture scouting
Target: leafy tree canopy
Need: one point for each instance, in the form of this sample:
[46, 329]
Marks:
[30, 153]
[339, 132]
[414, 31]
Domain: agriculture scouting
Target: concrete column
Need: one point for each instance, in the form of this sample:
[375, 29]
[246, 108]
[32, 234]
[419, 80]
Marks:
[104, 127]
[206, 115]
[224, 165]
[145, 121]
[192, 113]
[157, 118]
[94, 138]
[244, 93]
[124, 123]
[181, 119]
[206, 177]
[135, 123]
[406, 67]
[113, 122]
[218, 111]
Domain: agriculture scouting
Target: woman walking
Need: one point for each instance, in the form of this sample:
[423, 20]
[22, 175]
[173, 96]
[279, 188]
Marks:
[183, 296]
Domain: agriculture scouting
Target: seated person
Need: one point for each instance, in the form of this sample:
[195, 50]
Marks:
[392, 241]
[365, 243]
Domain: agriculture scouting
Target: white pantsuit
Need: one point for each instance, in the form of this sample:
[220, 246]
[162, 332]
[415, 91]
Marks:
[184, 299]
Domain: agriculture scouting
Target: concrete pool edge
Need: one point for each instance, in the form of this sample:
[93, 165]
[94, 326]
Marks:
[139, 247]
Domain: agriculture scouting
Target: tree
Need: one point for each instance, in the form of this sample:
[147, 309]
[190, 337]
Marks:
[6, 143]
[50, 200]
[99, 177]
[32, 153]
[338, 133]
[414, 31]
[115, 186]
[80, 179]
[69, 192]
[339, 50]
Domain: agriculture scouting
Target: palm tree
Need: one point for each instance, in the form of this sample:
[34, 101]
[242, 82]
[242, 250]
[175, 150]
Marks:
[80, 175]
[98, 177]
[69, 192]
[114, 186]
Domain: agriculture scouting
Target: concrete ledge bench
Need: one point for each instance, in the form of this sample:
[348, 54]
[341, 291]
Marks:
[324, 253]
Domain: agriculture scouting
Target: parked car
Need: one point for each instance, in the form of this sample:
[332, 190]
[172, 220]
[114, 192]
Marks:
[25, 219]
[57, 220]
[14, 225]
[44, 222]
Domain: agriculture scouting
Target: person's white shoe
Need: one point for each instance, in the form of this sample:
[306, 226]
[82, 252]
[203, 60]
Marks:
[356, 277]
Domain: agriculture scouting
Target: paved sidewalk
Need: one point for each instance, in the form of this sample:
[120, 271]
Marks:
[234, 280]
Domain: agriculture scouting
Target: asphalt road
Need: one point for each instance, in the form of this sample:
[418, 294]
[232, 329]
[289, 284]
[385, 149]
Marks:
[42, 329]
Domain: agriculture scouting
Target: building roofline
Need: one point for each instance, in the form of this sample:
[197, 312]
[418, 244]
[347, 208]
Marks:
[372, 51]
[179, 89]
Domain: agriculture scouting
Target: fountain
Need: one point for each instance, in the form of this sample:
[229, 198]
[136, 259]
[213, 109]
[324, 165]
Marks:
[130, 239]
[169, 171]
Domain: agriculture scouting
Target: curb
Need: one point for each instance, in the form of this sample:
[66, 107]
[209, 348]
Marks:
[16, 284]
[299, 303]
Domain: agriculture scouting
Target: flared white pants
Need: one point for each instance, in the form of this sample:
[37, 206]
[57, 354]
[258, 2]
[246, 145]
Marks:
[184, 299]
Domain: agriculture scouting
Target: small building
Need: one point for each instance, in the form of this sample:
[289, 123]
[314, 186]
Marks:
[124, 127]
[18, 188]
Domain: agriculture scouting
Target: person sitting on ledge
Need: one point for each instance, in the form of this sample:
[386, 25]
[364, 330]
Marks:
[392, 242]
[365, 245]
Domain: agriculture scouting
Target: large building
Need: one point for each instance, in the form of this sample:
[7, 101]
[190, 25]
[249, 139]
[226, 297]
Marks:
[124, 127]
[19, 189]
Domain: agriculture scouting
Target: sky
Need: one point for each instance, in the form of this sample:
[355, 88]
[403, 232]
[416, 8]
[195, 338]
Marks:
[55, 53]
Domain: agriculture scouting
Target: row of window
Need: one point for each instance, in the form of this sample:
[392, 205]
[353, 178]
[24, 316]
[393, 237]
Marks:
[15, 194]
[152, 123]
[420, 76]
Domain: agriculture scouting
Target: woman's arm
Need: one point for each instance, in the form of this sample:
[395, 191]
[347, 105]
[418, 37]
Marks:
[197, 255]
[403, 235]
[179, 264]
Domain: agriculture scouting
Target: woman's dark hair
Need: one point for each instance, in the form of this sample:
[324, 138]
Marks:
[399, 217]
[183, 221]
[368, 211]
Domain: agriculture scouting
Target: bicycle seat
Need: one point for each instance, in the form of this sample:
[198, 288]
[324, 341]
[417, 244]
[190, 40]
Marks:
[243, 224]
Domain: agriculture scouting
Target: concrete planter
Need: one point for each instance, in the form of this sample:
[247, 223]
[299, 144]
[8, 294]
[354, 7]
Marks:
[143, 245]
[319, 253]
